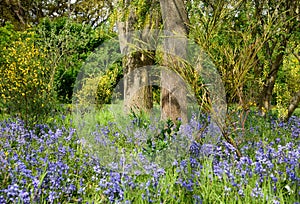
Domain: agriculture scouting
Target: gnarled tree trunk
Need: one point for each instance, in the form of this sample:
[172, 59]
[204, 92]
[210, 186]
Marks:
[137, 89]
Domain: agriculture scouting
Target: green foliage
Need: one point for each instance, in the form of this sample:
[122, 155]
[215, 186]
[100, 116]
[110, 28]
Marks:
[156, 94]
[25, 87]
[225, 34]
[147, 14]
[107, 82]
[155, 144]
[98, 76]
[287, 84]
[24, 13]
[68, 44]
[245, 40]
[7, 34]
[297, 112]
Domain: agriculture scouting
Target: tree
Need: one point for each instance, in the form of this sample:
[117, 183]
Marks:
[137, 89]
[247, 42]
[173, 96]
[295, 101]
[285, 16]
[173, 102]
[92, 12]
[67, 44]
[23, 13]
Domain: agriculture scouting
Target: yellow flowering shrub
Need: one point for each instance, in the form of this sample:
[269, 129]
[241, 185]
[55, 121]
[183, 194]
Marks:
[106, 84]
[25, 87]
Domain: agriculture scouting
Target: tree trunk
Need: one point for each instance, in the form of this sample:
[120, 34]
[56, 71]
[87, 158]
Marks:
[266, 94]
[293, 105]
[137, 89]
[173, 96]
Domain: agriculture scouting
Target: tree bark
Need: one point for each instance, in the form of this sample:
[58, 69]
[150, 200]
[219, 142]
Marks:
[173, 96]
[137, 89]
[295, 101]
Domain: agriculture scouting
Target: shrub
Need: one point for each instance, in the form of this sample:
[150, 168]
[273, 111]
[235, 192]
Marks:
[68, 45]
[287, 84]
[25, 85]
[107, 83]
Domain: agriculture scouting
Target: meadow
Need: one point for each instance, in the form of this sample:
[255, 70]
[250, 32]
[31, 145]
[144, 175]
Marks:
[55, 55]
[48, 163]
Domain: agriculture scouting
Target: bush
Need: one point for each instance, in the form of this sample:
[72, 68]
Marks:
[25, 85]
[68, 45]
[107, 83]
[287, 84]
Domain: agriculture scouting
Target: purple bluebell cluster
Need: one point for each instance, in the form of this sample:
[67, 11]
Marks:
[50, 164]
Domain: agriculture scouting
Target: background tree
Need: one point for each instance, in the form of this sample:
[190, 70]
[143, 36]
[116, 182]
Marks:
[137, 15]
[285, 16]
[68, 45]
[253, 44]
[247, 42]
[23, 13]
[93, 12]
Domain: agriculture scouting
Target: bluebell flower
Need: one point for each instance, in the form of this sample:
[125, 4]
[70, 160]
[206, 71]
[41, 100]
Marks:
[195, 149]
[2, 199]
[241, 192]
[189, 184]
[207, 150]
[12, 192]
[257, 192]
[197, 199]
[194, 163]
[24, 197]
[52, 196]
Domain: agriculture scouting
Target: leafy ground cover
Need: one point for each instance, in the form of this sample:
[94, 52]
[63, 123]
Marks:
[49, 164]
